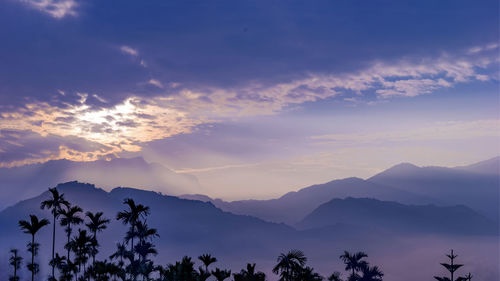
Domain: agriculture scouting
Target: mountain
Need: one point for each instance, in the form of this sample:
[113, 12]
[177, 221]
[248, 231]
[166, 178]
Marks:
[293, 206]
[27, 181]
[190, 227]
[396, 217]
[449, 186]
[490, 166]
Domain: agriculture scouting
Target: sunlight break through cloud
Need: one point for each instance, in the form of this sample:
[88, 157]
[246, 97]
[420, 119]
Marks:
[138, 120]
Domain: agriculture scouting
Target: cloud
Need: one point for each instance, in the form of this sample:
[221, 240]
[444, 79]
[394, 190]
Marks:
[156, 83]
[452, 130]
[129, 51]
[127, 125]
[55, 8]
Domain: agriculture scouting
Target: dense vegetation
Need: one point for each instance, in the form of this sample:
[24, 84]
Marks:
[133, 261]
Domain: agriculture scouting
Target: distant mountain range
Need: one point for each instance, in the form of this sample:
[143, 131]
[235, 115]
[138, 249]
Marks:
[476, 186]
[398, 217]
[23, 182]
[191, 227]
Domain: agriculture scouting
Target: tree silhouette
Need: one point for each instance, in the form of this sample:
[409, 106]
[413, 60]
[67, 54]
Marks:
[207, 260]
[289, 264]
[354, 263]
[249, 274]
[81, 245]
[221, 275]
[32, 227]
[70, 218]
[54, 203]
[308, 274]
[335, 276]
[96, 224]
[131, 216]
[451, 267]
[15, 260]
[371, 273]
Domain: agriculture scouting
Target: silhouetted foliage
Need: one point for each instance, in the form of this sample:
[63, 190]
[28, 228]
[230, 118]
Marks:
[15, 260]
[55, 204]
[32, 227]
[135, 262]
[249, 274]
[452, 267]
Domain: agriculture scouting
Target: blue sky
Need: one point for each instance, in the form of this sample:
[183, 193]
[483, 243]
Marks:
[255, 98]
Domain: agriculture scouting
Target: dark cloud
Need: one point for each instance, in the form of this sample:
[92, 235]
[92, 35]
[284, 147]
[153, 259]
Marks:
[222, 44]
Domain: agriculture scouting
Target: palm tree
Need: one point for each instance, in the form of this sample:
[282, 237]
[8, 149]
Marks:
[15, 261]
[55, 204]
[220, 275]
[289, 264]
[249, 274]
[81, 246]
[207, 260]
[370, 273]
[32, 227]
[308, 274]
[132, 215]
[354, 263]
[97, 224]
[70, 218]
[202, 274]
[120, 253]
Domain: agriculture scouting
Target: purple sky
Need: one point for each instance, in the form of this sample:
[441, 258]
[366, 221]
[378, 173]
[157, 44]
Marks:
[255, 98]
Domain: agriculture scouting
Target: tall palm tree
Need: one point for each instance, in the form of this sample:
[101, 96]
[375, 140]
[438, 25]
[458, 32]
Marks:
[54, 203]
[81, 245]
[69, 218]
[354, 263]
[96, 224]
[132, 215]
[32, 227]
[207, 260]
[220, 275]
[370, 273]
[289, 264]
[15, 260]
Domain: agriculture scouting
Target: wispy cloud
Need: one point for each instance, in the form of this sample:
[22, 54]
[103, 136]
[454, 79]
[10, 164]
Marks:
[129, 51]
[452, 130]
[55, 8]
[156, 83]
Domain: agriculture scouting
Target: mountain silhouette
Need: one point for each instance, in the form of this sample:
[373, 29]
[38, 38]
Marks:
[448, 186]
[30, 180]
[392, 216]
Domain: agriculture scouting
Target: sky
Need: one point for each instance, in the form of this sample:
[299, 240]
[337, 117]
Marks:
[254, 98]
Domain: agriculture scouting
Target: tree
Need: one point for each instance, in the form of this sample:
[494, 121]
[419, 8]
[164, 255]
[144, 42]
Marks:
[335, 276]
[371, 273]
[220, 275]
[55, 204]
[132, 215]
[207, 260]
[96, 224]
[69, 218]
[249, 274]
[15, 260]
[308, 274]
[81, 245]
[289, 265]
[32, 227]
[452, 268]
[354, 263]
